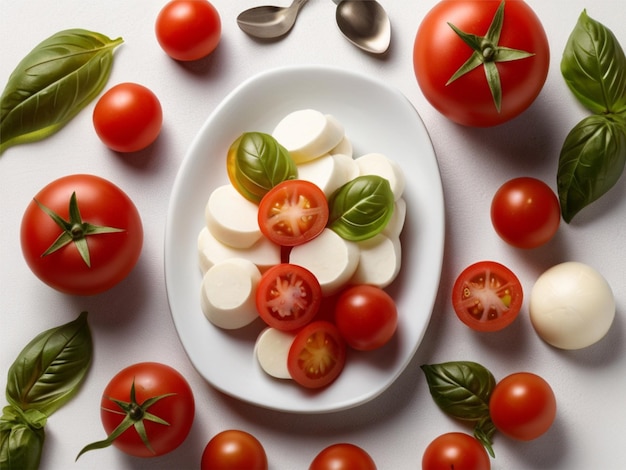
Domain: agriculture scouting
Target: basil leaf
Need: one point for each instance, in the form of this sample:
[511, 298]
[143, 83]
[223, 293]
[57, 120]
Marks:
[20, 445]
[260, 164]
[49, 370]
[594, 67]
[361, 208]
[53, 83]
[592, 160]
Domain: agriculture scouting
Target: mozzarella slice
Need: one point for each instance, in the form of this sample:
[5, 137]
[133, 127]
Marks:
[272, 350]
[379, 261]
[330, 258]
[344, 147]
[231, 218]
[228, 293]
[308, 134]
[379, 164]
[328, 172]
[211, 251]
[396, 223]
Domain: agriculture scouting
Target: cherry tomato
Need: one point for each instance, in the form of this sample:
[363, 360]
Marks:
[174, 404]
[188, 29]
[288, 296]
[317, 355]
[439, 52]
[522, 406]
[128, 117]
[487, 296]
[455, 450]
[112, 239]
[234, 450]
[525, 212]
[293, 212]
[366, 317]
[343, 456]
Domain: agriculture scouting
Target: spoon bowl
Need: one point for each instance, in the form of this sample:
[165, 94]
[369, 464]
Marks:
[268, 22]
[365, 24]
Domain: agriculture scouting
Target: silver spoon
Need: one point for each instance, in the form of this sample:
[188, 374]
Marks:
[365, 24]
[269, 22]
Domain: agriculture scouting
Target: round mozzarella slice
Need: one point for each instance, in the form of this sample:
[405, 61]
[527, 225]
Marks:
[272, 349]
[228, 293]
[231, 218]
[330, 258]
[344, 147]
[379, 261]
[308, 134]
[327, 172]
[379, 164]
[396, 223]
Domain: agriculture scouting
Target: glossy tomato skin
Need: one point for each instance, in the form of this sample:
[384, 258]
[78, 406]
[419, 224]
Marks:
[366, 317]
[234, 450]
[113, 255]
[151, 379]
[523, 406]
[188, 29]
[438, 52]
[343, 456]
[128, 117]
[455, 450]
[525, 212]
[487, 296]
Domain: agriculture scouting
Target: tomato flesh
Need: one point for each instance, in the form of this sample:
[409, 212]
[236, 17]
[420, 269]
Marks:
[317, 355]
[288, 296]
[234, 450]
[455, 450]
[487, 296]
[293, 212]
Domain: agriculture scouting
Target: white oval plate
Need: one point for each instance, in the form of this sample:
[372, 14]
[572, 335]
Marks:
[377, 118]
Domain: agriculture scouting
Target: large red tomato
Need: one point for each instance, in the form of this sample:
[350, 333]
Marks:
[439, 53]
[81, 234]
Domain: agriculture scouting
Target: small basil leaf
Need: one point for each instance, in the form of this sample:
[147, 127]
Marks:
[361, 208]
[53, 83]
[49, 370]
[591, 162]
[20, 445]
[460, 389]
[260, 164]
[594, 67]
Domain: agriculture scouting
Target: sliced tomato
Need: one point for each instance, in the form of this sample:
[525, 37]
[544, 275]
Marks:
[293, 212]
[288, 296]
[317, 355]
[487, 296]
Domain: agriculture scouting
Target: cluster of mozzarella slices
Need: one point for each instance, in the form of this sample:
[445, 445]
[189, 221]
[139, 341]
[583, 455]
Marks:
[234, 253]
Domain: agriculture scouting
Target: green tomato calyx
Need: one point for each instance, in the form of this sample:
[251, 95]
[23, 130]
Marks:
[487, 52]
[74, 230]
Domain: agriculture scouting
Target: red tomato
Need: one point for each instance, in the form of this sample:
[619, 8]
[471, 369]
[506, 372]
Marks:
[234, 450]
[128, 117]
[487, 296]
[111, 256]
[439, 52]
[293, 212]
[288, 296]
[525, 212]
[455, 450]
[522, 406]
[343, 457]
[366, 317]
[188, 29]
[175, 406]
[317, 355]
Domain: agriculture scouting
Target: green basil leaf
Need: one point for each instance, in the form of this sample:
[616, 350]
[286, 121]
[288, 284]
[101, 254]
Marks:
[20, 445]
[53, 83]
[49, 370]
[260, 164]
[591, 161]
[594, 67]
[361, 208]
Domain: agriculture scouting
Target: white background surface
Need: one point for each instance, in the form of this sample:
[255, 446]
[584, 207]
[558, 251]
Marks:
[132, 322]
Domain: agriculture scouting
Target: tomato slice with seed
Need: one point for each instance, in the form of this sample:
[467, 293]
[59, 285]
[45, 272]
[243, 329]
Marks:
[487, 296]
[293, 212]
[317, 355]
[288, 296]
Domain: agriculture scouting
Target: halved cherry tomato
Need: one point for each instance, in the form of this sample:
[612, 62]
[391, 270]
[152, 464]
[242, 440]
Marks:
[487, 296]
[293, 212]
[317, 355]
[288, 296]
